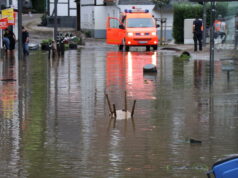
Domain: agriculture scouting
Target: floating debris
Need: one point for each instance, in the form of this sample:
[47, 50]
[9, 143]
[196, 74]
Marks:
[149, 68]
[194, 141]
[8, 80]
[122, 115]
[185, 55]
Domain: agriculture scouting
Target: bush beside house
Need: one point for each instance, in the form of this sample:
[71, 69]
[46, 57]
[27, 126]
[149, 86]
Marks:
[181, 12]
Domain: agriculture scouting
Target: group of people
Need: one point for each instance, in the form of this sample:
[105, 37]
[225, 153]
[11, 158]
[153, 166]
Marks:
[9, 40]
[219, 33]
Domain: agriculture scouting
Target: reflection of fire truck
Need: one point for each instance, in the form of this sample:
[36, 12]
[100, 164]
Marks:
[124, 71]
[135, 27]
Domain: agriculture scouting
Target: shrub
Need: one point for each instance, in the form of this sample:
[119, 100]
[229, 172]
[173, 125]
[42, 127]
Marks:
[181, 12]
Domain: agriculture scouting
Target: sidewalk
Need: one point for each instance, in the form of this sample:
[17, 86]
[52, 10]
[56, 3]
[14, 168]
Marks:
[179, 48]
[39, 33]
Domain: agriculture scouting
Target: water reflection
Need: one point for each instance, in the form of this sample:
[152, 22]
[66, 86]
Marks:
[56, 123]
[125, 70]
[9, 123]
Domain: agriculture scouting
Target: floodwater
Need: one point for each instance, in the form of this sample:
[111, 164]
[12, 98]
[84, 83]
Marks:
[55, 123]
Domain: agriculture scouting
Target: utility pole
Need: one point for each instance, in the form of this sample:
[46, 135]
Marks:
[20, 29]
[212, 44]
[78, 15]
[55, 19]
[161, 26]
[204, 24]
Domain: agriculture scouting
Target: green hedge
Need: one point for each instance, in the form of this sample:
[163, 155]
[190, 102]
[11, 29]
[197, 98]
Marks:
[189, 11]
[181, 12]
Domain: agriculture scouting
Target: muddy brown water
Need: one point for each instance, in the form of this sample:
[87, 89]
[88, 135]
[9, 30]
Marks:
[54, 118]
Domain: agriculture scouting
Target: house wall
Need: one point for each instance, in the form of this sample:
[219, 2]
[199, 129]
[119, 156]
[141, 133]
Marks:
[65, 7]
[92, 2]
[94, 18]
[101, 19]
[87, 19]
[87, 2]
[168, 14]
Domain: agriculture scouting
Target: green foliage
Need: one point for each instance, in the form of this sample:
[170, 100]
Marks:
[160, 3]
[75, 40]
[190, 11]
[87, 33]
[181, 12]
[38, 5]
[45, 42]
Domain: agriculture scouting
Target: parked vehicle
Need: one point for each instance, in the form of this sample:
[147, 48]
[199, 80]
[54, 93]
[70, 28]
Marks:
[225, 168]
[135, 27]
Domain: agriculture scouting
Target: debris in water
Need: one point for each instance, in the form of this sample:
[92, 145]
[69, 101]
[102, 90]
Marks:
[149, 68]
[191, 140]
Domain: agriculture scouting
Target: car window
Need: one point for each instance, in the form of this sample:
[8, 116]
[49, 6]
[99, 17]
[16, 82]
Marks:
[114, 23]
[140, 22]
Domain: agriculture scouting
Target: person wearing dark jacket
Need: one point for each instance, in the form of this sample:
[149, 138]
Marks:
[25, 41]
[12, 40]
[197, 33]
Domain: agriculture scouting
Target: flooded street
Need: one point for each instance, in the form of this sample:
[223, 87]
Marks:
[54, 116]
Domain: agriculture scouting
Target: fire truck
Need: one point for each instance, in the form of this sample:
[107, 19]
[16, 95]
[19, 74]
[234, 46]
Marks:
[135, 27]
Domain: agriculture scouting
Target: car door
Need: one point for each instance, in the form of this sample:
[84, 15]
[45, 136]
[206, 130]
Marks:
[115, 33]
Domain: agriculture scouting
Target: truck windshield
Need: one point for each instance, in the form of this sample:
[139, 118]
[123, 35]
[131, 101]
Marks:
[140, 22]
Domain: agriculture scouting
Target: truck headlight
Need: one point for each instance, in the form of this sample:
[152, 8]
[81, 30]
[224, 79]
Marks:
[129, 34]
[153, 34]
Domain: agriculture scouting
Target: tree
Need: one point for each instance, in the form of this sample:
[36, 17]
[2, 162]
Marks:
[38, 5]
[161, 4]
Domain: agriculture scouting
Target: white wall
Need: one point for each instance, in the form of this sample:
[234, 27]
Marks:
[168, 15]
[65, 7]
[87, 17]
[100, 2]
[92, 2]
[14, 4]
[101, 14]
[85, 2]
[188, 31]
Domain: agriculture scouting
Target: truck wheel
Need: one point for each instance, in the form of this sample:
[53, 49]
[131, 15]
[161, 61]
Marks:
[127, 48]
[147, 48]
[120, 47]
[155, 47]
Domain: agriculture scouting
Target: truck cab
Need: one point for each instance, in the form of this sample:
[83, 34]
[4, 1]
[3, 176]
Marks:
[135, 27]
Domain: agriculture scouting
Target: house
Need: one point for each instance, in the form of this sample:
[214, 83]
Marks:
[91, 15]
[66, 13]
[94, 14]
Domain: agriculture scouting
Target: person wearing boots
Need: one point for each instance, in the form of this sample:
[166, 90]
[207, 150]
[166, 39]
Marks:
[197, 34]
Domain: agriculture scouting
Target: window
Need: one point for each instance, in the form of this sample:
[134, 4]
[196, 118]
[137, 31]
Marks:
[114, 23]
[140, 22]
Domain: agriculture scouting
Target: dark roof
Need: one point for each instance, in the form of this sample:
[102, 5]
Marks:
[135, 2]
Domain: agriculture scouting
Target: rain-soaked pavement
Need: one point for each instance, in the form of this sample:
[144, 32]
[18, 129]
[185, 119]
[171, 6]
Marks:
[54, 117]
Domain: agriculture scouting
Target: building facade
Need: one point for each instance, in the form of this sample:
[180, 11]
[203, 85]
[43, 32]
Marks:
[91, 15]
[94, 14]
[66, 13]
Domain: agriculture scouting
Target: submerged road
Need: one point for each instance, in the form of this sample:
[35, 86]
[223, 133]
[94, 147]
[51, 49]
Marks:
[54, 117]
